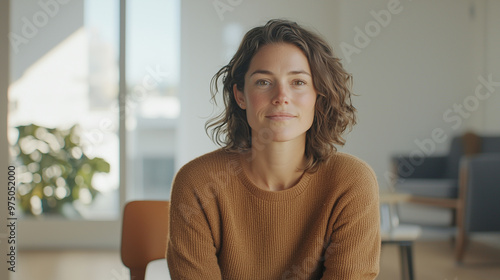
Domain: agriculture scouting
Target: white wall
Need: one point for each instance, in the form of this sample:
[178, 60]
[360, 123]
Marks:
[413, 71]
[492, 65]
[409, 75]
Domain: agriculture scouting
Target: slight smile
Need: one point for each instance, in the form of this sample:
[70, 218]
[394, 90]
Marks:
[280, 116]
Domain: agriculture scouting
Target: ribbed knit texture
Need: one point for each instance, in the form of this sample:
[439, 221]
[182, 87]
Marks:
[222, 226]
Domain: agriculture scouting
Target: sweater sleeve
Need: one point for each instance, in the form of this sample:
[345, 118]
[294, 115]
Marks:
[354, 249]
[191, 251]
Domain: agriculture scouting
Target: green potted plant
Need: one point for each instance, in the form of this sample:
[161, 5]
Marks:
[54, 170]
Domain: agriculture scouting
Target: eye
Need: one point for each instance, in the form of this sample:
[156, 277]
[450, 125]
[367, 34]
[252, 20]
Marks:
[298, 83]
[262, 83]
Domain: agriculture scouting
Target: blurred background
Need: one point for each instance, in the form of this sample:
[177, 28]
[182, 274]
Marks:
[103, 101]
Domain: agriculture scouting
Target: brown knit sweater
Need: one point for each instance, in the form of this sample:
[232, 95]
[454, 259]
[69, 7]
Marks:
[222, 226]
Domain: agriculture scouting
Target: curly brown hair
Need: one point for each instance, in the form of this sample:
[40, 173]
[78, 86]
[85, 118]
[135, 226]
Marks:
[334, 112]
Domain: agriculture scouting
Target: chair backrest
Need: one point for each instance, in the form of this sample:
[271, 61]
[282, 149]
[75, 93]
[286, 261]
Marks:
[469, 144]
[454, 155]
[490, 144]
[144, 235]
[482, 193]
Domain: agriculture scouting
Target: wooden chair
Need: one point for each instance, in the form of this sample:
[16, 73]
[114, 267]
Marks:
[465, 181]
[438, 172]
[144, 235]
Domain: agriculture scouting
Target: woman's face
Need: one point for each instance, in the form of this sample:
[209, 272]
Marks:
[279, 95]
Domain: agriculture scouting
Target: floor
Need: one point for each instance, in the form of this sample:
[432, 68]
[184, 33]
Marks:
[70, 265]
[433, 261]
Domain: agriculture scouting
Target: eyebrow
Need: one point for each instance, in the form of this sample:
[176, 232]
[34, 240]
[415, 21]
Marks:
[289, 73]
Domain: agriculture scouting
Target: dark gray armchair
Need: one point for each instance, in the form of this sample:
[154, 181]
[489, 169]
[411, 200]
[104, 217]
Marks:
[434, 181]
[479, 198]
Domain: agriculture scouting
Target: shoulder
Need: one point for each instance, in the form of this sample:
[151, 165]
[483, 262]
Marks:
[207, 160]
[210, 165]
[350, 171]
[343, 162]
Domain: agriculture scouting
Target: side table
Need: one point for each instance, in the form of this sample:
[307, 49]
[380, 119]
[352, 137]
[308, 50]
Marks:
[394, 233]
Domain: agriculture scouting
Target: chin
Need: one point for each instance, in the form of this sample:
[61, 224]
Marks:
[278, 134]
[286, 137]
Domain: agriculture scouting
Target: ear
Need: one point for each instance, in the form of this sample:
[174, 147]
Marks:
[239, 96]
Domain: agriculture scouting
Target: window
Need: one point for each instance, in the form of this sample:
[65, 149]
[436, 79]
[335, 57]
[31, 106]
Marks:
[64, 87]
[64, 81]
[153, 59]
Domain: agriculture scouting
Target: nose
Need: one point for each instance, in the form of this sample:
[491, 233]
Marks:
[281, 95]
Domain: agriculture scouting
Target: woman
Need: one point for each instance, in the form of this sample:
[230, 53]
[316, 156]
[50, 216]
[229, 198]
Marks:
[277, 201]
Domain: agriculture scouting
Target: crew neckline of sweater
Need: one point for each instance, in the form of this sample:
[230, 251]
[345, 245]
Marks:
[282, 195]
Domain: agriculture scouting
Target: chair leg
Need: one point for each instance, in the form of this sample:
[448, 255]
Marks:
[404, 262]
[453, 217]
[460, 245]
[405, 249]
[453, 223]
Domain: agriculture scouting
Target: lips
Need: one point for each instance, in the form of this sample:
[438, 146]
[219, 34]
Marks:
[280, 116]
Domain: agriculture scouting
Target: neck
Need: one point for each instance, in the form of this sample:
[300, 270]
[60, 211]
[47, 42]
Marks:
[276, 166]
